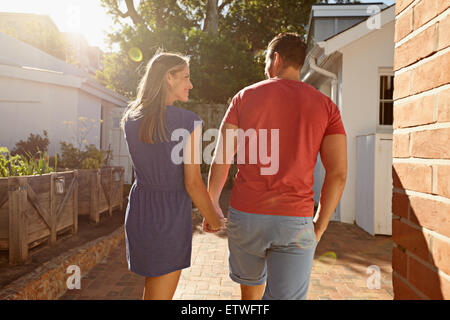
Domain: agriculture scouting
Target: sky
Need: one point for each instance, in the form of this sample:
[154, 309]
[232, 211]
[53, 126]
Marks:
[84, 16]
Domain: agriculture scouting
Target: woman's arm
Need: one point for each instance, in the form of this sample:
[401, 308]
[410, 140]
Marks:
[194, 183]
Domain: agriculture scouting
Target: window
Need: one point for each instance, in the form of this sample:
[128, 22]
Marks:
[386, 111]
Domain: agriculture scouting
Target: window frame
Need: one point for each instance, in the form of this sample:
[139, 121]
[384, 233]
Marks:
[383, 72]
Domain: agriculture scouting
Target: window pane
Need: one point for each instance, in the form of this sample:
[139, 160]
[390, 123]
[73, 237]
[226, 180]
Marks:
[381, 87]
[386, 113]
[380, 118]
[386, 87]
[389, 88]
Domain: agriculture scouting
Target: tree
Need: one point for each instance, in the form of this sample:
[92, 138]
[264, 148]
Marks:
[38, 31]
[225, 39]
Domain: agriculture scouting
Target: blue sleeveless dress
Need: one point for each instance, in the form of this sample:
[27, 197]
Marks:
[158, 220]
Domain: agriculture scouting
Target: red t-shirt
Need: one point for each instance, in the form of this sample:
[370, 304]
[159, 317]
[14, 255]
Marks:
[303, 116]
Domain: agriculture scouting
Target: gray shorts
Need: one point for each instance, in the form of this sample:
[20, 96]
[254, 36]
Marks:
[279, 249]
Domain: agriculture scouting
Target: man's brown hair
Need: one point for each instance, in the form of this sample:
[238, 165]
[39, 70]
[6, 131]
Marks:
[291, 47]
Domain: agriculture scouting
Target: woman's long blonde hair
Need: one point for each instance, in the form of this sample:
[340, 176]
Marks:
[151, 98]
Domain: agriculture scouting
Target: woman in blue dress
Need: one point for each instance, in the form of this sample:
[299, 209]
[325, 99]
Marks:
[158, 221]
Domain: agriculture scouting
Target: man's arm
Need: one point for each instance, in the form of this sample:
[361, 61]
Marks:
[333, 153]
[224, 153]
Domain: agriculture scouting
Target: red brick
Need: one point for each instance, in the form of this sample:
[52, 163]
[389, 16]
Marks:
[411, 239]
[400, 204]
[430, 214]
[417, 112]
[424, 11]
[404, 25]
[431, 74]
[443, 105]
[399, 264]
[444, 34]
[442, 5]
[420, 46]
[443, 181]
[425, 280]
[403, 85]
[412, 176]
[440, 250]
[401, 5]
[402, 291]
[400, 145]
[431, 144]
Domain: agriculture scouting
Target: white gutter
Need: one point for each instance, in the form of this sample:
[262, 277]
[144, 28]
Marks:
[334, 80]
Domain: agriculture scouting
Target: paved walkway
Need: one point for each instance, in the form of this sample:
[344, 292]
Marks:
[339, 270]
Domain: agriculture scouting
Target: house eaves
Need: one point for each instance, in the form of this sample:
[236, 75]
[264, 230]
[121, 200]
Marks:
[23, 61]
[59, 78]
[324, 52]
[341, 40]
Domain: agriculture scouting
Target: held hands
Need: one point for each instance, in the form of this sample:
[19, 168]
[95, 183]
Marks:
[213, 228]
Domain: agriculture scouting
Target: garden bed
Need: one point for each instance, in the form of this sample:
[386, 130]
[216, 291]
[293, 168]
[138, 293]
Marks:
[38, 210]
[88, 231]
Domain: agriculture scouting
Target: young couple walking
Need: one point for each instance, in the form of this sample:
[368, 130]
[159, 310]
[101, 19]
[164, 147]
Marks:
[272, 235]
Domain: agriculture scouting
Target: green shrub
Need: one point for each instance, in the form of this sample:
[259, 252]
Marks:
[89, 158]
[32, 145]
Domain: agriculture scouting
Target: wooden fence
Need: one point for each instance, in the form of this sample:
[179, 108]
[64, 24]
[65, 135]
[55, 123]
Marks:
[37, 209]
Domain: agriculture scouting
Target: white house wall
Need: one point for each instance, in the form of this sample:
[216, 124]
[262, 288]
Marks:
[31, 107]
[89, 107]
[361, 62]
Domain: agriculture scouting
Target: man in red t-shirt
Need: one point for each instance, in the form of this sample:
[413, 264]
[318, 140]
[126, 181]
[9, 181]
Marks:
[278, 126]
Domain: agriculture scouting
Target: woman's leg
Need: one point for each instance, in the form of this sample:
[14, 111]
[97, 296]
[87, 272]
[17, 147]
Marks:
[162, 287]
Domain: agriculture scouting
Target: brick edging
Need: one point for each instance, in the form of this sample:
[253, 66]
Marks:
[48, 281]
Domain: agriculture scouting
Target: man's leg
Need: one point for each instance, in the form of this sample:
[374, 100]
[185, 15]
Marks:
[252, 292]
[289, 266]
[247, 253]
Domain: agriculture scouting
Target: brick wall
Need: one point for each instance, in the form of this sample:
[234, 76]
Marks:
[421, 151]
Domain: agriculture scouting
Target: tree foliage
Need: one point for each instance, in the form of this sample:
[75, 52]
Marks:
[37, 31]
[224, 38]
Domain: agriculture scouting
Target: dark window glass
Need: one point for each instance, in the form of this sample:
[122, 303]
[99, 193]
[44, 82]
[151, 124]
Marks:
[388, 113]
[386, 102]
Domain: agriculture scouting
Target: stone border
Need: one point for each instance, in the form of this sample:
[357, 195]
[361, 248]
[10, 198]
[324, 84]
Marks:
[48, 281]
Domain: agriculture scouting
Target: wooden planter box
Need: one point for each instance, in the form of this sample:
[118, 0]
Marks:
[35, 209]
[100, 190]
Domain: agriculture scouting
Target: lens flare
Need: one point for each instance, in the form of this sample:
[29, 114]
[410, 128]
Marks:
[328, 257]
[135, 54]
[305, 239]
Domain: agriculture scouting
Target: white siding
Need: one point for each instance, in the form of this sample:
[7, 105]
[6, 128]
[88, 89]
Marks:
[90, 107]
[361, 62]
[31, 107]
